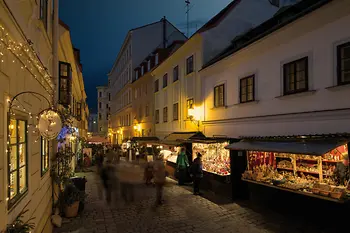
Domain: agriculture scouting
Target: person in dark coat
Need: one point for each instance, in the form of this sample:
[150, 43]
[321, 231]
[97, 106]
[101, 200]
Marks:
[182, 165]
[197, 173]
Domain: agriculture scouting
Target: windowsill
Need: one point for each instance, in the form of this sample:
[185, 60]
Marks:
[12, 206]
[299, 94]
[339, 87]
[164, 88]
[176, 81]
[190, 74]
[225, 106]
[246, 103]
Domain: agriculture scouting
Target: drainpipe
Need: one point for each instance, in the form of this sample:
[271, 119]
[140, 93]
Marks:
[55, 36]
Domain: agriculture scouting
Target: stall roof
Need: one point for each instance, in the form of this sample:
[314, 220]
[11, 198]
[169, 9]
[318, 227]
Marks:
[180, 136]
[145, 139]
[209, 140]
[305, 147]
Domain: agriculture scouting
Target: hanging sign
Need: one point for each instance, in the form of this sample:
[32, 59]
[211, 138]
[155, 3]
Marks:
[50, 124]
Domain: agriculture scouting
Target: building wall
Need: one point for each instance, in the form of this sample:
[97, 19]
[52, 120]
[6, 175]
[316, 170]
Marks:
[93, 126]
[103, 110]
[188, 86]
[142, 99]
[14, 79]
[324, 109]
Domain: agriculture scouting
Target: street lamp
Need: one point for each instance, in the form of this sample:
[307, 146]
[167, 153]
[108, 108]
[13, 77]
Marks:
[194, 114]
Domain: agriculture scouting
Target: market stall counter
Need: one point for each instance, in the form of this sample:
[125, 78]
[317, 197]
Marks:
[315, 167]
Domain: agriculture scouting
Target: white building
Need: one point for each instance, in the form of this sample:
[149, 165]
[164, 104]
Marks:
[138, 44]
[103, 108]
[177, 80]
[288, 76]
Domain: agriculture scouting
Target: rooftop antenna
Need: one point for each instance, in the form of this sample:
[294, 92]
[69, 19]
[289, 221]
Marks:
[188, 16]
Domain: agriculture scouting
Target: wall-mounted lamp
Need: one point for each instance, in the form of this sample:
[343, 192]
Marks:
[194, 115]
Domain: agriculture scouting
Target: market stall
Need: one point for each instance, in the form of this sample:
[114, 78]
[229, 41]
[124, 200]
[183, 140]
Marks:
[216, 164]
[314, 167]
[144, 147]
[173, 143]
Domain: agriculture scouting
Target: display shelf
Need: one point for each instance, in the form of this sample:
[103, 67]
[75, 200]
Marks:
[286, 168]
[331, 161]
[310, 172]
[311, 160]
[295, 191]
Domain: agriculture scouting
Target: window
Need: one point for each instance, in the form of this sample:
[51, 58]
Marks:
[165, 80]
[99, 105]
[190, 103]
[43, 12]
[100, 94]
[17, 157]
[156, 86]
[109, 96]
[165, 114]
[65, 73]
[107, 116]
[78, 110]
[189, 65]
[136, 74]
[44, 156]
[157, 116]
[246, 89]
[176, 73]
[295, 76]
[146, 111]
[148, 65]
[99, 116]
[176, 112]
[157, 59]
[219, 93]
[142, 70]
[343, 53]
[106, 106]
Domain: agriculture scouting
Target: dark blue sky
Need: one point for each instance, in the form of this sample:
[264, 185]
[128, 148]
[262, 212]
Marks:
[98, 28]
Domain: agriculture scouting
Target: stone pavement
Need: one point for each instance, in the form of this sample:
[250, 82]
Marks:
[182, 212]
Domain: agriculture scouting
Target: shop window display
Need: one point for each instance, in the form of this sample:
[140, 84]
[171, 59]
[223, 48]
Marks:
[324, 176]
[215, 158]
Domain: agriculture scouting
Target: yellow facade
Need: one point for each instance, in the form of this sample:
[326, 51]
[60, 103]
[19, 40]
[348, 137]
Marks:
[20, 71]
[178, 93]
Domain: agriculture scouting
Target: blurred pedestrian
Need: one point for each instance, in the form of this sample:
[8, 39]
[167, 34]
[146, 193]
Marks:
[148, 172]
[197, 173]
[125, 176]
[108, 176]
[99, 165]
[159, 178]
[182, 165]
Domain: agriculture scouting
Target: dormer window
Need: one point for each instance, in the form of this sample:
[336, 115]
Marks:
[157, 59]
[136, 74]
[142, 70]
[149, 65]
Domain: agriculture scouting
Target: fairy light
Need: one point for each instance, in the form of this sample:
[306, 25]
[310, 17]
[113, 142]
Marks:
[19, 49]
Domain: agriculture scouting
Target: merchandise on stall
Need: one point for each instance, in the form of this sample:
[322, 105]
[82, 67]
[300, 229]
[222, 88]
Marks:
[171, 154]
[215, 158]
[306, 174]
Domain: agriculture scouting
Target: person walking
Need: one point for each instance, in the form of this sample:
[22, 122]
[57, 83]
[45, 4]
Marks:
[99, 166]
[109, 179]
[197, 173]
[159, 178]
[182, 165]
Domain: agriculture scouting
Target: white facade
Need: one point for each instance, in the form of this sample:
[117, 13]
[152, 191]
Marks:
[325, 108]
[238, 17]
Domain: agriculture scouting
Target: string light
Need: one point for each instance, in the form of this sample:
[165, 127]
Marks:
[18, 50]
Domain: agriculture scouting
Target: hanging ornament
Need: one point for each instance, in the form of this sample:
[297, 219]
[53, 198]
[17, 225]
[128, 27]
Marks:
[50, 124]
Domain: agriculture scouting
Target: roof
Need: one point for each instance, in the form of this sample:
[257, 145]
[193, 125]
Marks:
[181, 136]
[213, 22]
[302, 147]
[64, 25]
[145, 139]
[282, 18]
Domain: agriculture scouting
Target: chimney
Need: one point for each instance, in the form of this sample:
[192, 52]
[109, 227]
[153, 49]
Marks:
[164, 32]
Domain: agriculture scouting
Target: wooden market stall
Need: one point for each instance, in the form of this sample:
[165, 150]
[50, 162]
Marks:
[302, 165]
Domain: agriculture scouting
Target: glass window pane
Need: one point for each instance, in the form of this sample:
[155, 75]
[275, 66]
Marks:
[345, 64]
[243, 91]
[243, 98]
[22, 154]
[291, 86]
[345, 76]
[250, 81]
[345, 52]
[13, 184]
[22, 179]
[63, 69]
[300, 85]
[250, 96]
[301, 65]
[13, 131]
[22, 131]
[300, 76]
[250, 89]
[13, 158]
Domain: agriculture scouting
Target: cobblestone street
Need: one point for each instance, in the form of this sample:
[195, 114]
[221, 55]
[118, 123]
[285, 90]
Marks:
[182, 212]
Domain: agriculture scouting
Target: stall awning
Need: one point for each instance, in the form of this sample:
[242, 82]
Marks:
[182, 136]
[145, 139]
[306, 148]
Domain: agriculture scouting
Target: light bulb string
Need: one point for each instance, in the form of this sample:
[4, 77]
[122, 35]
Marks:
[13, 46]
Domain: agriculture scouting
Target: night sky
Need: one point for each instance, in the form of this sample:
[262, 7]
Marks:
[98, 29]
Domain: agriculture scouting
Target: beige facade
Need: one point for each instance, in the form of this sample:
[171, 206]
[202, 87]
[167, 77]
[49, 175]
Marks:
[103, 107]
[28, 185]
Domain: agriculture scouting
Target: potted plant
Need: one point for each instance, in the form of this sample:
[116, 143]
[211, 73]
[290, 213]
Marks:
[71, 197]
[19, 226]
